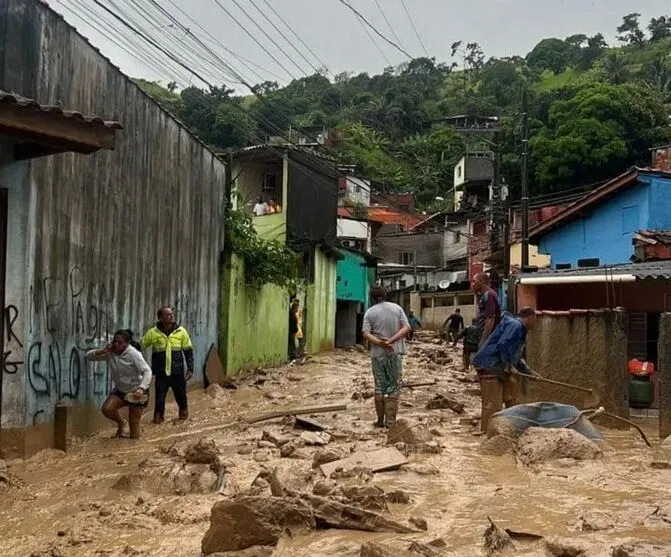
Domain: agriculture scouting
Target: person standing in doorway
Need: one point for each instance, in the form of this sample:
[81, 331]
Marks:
[171, 361]
[293, 328]
[300, 334]
[489, 309]
[503, 349]
[260, 208]
[385, 327]
[454, 324]
[131, 377]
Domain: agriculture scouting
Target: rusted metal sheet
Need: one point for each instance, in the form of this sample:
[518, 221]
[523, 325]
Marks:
[98, 242]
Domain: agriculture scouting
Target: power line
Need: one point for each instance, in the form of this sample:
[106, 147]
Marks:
[279, 16]
[377, 46]
[414, 28]
[374, 29]
[384, 15]
[246, 62]
[281, 33]
[265, 34]
[251, 36]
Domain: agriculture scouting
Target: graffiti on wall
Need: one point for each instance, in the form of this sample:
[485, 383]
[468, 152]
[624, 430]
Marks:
[64, 317]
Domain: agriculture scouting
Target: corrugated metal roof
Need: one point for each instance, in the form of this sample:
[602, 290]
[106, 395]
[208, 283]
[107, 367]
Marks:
[30, 104]
[648, 270]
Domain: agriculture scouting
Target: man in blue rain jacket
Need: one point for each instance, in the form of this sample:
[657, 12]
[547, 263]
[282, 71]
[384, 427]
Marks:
[503, 349]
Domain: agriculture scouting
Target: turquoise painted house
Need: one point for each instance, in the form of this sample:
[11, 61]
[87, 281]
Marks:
[356, 274]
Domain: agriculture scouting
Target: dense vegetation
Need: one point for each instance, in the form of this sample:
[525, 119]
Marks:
[594, 110]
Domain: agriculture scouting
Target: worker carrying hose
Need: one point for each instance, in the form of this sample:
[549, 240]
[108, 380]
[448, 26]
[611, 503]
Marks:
[503, 349]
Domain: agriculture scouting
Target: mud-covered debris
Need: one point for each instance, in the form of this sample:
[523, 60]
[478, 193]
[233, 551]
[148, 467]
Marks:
[372, 549]
[642, 549]
[261, 444]
[308, 424]
[324, 456]
[399, 497]
[330, 513]
[660, 465]
[166, 474]
[497, 541]
[287, 479]
[325, 487]
[426, 550]
[357, 396]
[215, 391]
[373, 461]
[316, 438]
[559, 547]
[275, 438]
[255, 551]
[408, 431]
[251, 521]
[444, 402]
[497, 446]
[365, 496]
[423, 469]
[419, 522]
[537, 445]
[595, 521]
[368, 394]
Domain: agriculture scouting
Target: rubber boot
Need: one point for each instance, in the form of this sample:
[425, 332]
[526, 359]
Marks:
[492, 399]
[379, 410]
[391, 408]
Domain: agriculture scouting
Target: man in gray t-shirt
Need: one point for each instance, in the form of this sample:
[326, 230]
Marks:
[385, 326]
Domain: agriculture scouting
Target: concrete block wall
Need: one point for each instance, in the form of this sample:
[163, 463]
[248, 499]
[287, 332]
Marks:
[586, 348]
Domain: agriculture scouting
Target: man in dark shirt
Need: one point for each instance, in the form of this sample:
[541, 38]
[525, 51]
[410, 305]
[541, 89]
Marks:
[489, 309]
[454, 324]
[470, 336]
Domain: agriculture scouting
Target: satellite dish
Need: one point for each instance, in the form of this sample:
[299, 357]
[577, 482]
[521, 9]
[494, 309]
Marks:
[444, 284]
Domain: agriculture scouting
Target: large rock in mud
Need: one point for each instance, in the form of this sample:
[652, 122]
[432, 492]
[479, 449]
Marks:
[537, 445]
[165, 475]
[250, 521]
[559, 547]
[287, 479]
[409, 432]
[203, 451]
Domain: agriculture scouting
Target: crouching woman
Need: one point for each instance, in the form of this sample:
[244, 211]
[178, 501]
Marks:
[131, 376]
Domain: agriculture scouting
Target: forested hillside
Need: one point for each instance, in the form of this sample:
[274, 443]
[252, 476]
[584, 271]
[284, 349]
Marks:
[594, 110]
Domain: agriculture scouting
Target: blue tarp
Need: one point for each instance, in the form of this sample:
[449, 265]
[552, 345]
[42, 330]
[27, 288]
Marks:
[547, 414]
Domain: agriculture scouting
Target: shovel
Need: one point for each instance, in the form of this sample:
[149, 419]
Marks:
[591, 398]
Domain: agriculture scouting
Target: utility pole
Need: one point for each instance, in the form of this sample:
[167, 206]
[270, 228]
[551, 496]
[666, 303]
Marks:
[525, 181]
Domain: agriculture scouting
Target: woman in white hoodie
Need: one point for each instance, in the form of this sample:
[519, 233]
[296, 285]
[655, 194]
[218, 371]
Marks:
[131, 376]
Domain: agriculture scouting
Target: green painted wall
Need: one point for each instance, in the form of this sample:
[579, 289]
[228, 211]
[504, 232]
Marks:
[254, 322]
[321, 305]
[352, 284]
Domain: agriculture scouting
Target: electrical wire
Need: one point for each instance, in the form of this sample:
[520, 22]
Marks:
[307, 47]
[377, 46]
[251, 36]
[384, 16]
[414, 28]
[374, 29]
[281, 33]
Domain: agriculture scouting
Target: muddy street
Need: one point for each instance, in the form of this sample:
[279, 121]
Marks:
[154, 496]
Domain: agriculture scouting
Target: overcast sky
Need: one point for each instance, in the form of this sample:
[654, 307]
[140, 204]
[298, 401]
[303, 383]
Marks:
[337, 37]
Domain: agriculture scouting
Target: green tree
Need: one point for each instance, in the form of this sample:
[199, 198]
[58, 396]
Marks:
[553, 54]
[629, 31]
[660, 28]
[596, 46]
[596, 133]
[616, 67]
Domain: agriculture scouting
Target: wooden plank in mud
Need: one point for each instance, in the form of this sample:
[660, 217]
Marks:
[374, 461]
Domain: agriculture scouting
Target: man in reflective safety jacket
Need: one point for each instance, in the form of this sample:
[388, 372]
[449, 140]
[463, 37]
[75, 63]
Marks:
[503, 349]
[171, 362]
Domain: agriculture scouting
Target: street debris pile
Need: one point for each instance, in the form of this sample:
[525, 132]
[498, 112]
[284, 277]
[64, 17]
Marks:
[194, 468]
[269, 464]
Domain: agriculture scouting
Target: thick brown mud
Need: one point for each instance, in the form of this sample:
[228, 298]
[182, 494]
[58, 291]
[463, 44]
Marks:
[82, 503]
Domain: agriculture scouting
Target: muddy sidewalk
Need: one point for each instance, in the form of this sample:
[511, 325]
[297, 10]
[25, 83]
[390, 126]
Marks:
[154, 497]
